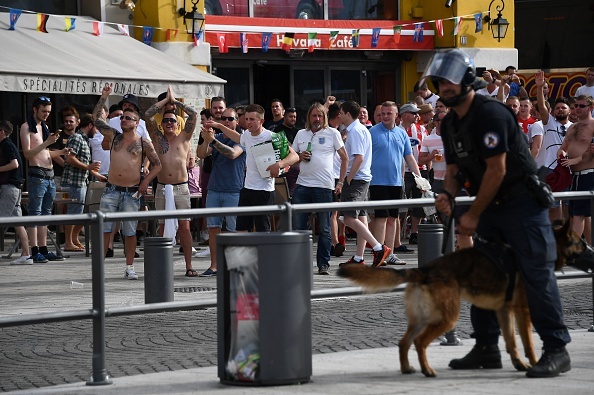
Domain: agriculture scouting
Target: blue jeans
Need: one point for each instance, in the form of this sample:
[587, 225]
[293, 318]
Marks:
[113, 201]
[41, 196]
[303, 195]
[78, 193]
[222, 199]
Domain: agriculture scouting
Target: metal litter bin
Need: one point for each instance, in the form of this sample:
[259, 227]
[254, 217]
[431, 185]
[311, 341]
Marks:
[158, 270]
[430, 242]
[264, 308]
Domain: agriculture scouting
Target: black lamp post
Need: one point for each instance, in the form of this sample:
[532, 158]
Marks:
[498, 25]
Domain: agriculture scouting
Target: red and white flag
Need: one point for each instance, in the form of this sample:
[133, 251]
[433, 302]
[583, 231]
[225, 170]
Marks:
[439, 27]
[98, 28]
[222, 38]
[123, 29]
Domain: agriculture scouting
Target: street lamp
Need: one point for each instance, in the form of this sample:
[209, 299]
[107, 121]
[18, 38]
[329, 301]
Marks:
[194, 17]
[498, 25]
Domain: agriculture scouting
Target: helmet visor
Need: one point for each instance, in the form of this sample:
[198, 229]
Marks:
[450, 65]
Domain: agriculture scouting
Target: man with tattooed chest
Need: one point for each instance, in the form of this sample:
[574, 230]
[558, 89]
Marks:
[172, 149]
[124, 187]
[575, 154]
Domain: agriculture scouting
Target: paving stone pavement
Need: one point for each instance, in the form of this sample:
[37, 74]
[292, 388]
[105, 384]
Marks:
[51, 354]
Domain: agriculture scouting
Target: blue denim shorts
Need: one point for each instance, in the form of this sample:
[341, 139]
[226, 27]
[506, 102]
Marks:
[222, 199]
[113, 201]
[79, 194]
[41, 196]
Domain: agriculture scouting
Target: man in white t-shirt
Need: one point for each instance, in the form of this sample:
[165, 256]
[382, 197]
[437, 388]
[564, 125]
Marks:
[316, 145]
[588, 89]
[258, 190]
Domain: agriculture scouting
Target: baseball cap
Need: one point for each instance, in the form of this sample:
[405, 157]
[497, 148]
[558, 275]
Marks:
[130, 98]
[424, 108]
[409, 107]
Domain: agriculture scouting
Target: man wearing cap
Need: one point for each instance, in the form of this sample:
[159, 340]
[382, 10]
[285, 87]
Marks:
[124, 188]
[173, 150]
[35, 142]
[416, 133]
[486, 152]
[115, 111]
[130, 101]
[426, 113]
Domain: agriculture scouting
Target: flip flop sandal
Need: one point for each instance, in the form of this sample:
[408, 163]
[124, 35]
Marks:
[191, 273]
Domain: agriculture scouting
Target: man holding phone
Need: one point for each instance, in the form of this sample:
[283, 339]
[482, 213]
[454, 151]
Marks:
[35, 140]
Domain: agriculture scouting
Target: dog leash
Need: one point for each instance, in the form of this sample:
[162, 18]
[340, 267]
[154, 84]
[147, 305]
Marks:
[447, 220]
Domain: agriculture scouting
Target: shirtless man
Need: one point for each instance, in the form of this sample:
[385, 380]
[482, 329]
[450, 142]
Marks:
[173, 152]
[35, 140]
[575, 154]
[124, 188]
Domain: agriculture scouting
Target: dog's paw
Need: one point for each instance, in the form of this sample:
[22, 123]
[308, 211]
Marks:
[520, 365]
[430, 373]
[409, 370]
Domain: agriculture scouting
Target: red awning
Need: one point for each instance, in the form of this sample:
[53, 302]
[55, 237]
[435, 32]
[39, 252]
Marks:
[414, 36]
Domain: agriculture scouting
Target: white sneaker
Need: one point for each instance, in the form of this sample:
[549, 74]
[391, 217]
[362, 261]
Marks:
[130, 274]
[392, 259]
[204, 235]
[22, 260]
[202, 254]
[194, 250]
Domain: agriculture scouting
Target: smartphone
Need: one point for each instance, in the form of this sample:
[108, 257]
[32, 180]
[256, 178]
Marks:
[480, 71]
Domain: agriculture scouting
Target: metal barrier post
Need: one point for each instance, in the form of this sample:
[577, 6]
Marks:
[99, 375]
[287, 218]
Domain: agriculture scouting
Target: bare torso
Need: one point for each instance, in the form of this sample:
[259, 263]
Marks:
[173, 153]
[126, 160]
[579, 137]
[41, 159]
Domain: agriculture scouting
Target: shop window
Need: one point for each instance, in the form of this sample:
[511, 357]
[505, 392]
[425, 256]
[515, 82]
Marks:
[237, 89]
[346, 84]
[308, 88]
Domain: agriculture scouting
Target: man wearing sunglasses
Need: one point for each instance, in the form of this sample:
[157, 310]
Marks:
[35, 141]
[575, 154]
[173, 150]
[124, 187]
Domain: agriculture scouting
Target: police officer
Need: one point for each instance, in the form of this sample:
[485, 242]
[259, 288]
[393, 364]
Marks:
[486, 152]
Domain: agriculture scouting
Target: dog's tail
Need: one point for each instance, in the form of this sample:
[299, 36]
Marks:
[379, 279]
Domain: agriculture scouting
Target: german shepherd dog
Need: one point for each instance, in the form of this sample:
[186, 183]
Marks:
[434, 293]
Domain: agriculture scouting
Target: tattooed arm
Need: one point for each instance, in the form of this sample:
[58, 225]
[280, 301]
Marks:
[191, 121]
[151, 155]
[107, 131]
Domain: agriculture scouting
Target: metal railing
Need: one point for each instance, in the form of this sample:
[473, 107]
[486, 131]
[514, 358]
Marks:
[99, 312]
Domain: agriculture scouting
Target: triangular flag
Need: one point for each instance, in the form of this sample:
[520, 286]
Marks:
[123, 29]
[98, 28]
[355, 38]
[69, 23]
[439, 27]
[311, 41]
[332, 39]
[418, 35]
[375, 36]
[198, 38]
[42, 22]
[266, 37]
[457, 23]
[14, 17]
[243, 40]
[170, 34]
[287, 42]
[147, 35]
[222, 39]
[478, 20]
[397, 34]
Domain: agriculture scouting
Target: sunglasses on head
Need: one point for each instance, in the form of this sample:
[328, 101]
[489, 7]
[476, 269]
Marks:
[230, 119]
[169, 120]
[128, 118]
[43, 98]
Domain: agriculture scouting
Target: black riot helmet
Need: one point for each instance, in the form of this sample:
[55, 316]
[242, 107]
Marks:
[454, 66]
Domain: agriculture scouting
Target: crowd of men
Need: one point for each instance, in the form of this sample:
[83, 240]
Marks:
[340, 154]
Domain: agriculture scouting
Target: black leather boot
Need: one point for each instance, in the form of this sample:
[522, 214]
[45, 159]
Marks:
[486, 357]
[552, 363]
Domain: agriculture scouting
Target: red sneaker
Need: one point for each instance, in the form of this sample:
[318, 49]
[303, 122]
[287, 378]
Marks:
[380, 256]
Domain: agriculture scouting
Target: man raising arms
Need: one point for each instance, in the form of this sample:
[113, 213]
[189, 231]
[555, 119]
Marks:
[173, 151]
[122, 192]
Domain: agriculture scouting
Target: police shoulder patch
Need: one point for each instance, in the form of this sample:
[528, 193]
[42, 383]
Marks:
[491, 140]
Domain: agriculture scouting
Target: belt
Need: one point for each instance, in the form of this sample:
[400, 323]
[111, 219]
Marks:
[123, 189]
[511, 194]
[179, 183]
[582, 172]
[41, 176]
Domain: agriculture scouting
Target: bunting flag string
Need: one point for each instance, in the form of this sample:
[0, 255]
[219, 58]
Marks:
[243, 40]
[287, 40]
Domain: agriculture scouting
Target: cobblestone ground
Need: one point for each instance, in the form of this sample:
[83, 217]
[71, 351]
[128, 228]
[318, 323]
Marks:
[51, 354]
